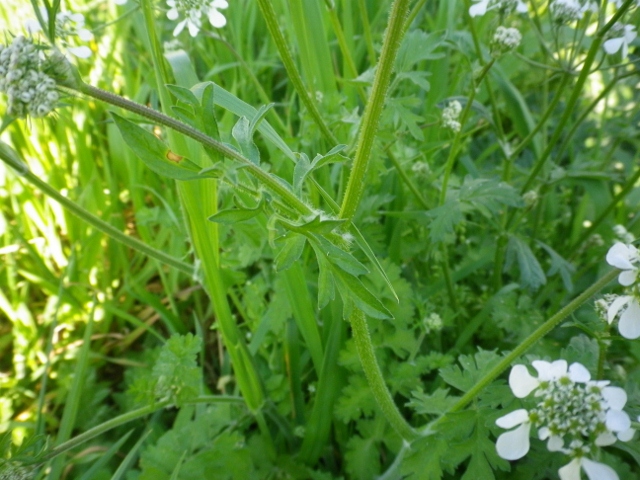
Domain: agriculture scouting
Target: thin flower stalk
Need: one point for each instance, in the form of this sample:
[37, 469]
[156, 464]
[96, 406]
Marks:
[521, 349]
[271, 20]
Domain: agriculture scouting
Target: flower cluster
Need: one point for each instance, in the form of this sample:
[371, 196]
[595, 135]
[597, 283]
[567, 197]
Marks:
[503, 6]
[193, 11]
[626, 308]
[619, 38]
[567, 11]
[69, 29]
[574, 414]
[450, 115]
[505, 40]
[29, 90]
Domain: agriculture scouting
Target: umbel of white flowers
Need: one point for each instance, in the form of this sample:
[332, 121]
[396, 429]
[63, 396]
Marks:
[504, 40]
[450, 115]
[193, 11]
[30, 91]
[624, 307]
[574, 414]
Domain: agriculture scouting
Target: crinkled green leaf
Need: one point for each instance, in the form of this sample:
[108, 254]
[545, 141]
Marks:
[474, 367]
[176, 372]
[531, 273]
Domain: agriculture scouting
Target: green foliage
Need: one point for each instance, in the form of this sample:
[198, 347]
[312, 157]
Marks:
[471, 233]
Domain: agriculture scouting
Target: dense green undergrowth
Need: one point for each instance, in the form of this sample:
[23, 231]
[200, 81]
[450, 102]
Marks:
[310, 240]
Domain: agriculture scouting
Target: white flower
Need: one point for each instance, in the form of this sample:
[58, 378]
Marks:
[629, 323]
[450, 115]
[193, 10]
[621, 37]
[623, 235]
[594, 470]
[505, 6]
[30, 91]
[505, 39]
[68, 26]
[566, 11]
[574, 414]
[626, 258]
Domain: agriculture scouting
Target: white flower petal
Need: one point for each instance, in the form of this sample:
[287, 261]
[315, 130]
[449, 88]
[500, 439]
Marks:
[85, 35]
[616, 397]
[544, 433]
[616, 306]
[617, 421]
[221, 4]
[618, 255]
[193, 28]
[578, 373]
[555, 443]
[598, 471]
[514, 444]
[628, 277]
[626, 435]
[629, 324]
[571, 471]
[522, 383]
[173, 14]
[80, 52]
[606, 438]
[478, 9]
[550, 371]
[179, 28]
[216, 18]
[119, 2]
[512, 419]
[32, 26]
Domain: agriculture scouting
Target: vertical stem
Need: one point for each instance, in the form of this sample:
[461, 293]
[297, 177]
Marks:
[374, 376]
[373, 109]
[271, 20]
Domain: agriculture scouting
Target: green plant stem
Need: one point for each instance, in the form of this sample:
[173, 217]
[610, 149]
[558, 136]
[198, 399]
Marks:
[107, 229]
[630, 184]
[373, 109]
[355, 189]
[374, 376]
[129, 417]
[575, 95]
[526, 344]
[366, 30]
[455, 145]
[342, 43]
[264, 177]
[270, 18]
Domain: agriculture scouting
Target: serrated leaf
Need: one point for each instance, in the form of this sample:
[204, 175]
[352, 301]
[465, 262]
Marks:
[435, 403]
[416, 46]
[531, 273]
[422, 461]
[290, 252]
[445, 218]
[417, 78]
[154, 153]
[487, 196]
[300, 171]
[559, 265]
[363, 458]
[474, 367]
[176, 371]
